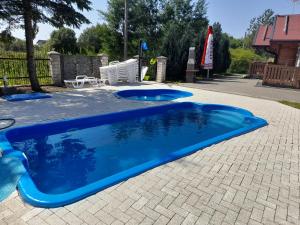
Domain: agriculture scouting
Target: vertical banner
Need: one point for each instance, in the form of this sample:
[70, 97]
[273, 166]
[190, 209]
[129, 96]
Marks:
[207, 57]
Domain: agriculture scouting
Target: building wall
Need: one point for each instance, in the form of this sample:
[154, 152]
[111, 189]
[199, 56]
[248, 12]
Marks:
[287, 54]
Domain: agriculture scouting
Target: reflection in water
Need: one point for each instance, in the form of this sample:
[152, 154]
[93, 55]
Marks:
[162, 123]
[66, 161]
[54, 163]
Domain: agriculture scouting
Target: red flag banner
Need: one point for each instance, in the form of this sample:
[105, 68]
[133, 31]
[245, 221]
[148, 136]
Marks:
[207, 57]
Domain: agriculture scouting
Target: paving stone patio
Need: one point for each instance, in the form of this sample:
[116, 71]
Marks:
[252, 179]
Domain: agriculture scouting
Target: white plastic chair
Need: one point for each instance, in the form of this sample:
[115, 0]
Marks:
[126, 71]
[112, 75]
[104, 74]
[113, 63]
[81, 80]
[122, 71]
[74, 83]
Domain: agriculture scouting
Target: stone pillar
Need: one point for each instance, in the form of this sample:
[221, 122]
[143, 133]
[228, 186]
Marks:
[161, 69]
[103, 59]
[190, 70]
[55, 68]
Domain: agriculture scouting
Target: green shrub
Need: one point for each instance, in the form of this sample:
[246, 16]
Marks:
[147, 78]
[241, 59]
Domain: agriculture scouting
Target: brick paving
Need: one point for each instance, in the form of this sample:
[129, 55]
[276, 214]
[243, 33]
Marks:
[252, 179]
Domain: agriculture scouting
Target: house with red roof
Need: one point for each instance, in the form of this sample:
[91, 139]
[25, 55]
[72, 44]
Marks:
[281, 39]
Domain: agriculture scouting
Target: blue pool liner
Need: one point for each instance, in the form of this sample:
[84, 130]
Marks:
[30, 193]
[11, 170]
[24, 97]
[153, 94]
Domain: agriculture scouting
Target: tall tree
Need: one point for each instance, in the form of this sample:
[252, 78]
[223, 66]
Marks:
[184, 23]
[266, 18]
[91, 39]
[28, 13]
[143, 23]
[169, 26]
[217, 47]
[114, 17]
[225, 54]
[64, 41]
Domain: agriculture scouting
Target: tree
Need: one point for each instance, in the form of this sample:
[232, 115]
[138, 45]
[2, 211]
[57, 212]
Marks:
[143, 23]
[175, 46]
[221, 49]
[234, 42]
[32, 12]
[217, 29]
[225, 54]
[184, 22]
[91, 40]
[170, 27]
[64, 41]
[266, 18]
[15, 44]
[241, 59]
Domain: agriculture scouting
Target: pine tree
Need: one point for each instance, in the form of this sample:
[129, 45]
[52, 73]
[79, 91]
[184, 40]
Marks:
[32, 12]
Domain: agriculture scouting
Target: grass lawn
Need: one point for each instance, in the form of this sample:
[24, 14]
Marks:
[292, 104]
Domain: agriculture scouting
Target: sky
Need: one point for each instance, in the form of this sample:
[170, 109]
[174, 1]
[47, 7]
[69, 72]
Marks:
[234, 15]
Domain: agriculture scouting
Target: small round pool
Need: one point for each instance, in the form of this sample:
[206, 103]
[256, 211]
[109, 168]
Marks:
[153, 94]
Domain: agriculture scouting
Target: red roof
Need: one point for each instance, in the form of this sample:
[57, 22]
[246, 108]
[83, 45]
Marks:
[285, 28]
[263, 36]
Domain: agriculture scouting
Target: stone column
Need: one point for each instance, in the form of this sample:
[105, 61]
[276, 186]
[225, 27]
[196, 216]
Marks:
[55, 68]
[161, 69]
[190, 70]
[103, 59]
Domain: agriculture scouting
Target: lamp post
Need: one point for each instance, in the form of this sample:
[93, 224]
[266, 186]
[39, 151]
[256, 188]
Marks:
[126, 30]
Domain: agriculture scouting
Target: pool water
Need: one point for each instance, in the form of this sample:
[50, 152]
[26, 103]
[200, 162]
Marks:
[153, 94]
[69, 160]
[75, 158]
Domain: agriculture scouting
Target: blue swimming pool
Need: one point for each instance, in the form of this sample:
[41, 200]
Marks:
[153, 94]
[69, 160]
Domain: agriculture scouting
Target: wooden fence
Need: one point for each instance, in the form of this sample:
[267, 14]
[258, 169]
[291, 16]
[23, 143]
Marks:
[277, 75]
[285, 76]
[257, 69]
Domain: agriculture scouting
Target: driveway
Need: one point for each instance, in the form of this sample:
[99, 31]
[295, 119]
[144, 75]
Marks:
[246, 87]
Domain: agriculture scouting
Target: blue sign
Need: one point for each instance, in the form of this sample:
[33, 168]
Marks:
[145, 46]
